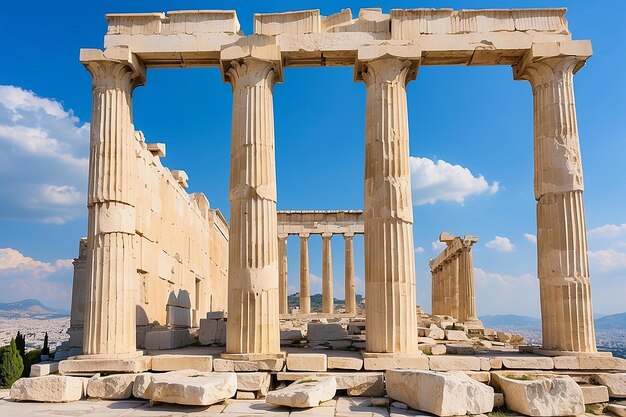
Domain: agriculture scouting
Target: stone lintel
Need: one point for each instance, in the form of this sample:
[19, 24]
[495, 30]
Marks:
[181, 177]
[579, 48]
[411, 53]
[121, 54]
[255, 47]
[295, 22]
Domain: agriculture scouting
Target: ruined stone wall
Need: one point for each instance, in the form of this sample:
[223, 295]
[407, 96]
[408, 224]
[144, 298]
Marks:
[180, 249]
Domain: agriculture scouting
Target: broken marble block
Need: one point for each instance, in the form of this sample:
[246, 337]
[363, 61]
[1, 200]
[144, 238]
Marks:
[442, 394]
[192, 387]
[111, 387]
[304, 393]
[49, 389]
[557, 395]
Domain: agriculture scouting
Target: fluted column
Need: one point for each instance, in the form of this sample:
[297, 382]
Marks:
[327, 274]
[282, 274]
[350, 293]
[305, 285]
[253, 295]
[563, 268]
[454, 264]
[388, 218]
[467, 290]
[110, 299]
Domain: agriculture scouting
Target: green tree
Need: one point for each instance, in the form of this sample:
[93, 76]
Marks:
[45, 350]
[11, 367]
[20, 343]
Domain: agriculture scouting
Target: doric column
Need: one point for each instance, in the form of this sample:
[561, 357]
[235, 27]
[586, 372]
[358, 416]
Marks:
[350, 293]
[446, 288]
[466, 285]
[563, 268]
[305, 285]
[454, 276]
[282, 274]
[110, 298]
[327, 274]
[253, 299]
[388, 218]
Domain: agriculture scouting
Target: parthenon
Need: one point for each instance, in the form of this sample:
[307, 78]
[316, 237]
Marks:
[158, 262]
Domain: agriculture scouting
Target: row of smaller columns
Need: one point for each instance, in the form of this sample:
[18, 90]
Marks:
[327, 274]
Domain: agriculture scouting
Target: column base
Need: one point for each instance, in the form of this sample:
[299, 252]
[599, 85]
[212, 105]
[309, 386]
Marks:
[373, 361]
[257, 361]
[133, 362]
[546, 352]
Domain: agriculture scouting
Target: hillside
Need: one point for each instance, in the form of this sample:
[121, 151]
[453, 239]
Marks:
[30, 307]
[613, 321]
[510, 320]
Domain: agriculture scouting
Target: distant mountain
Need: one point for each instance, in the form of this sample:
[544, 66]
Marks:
[32, 307]
[613, 321]
[510, 320]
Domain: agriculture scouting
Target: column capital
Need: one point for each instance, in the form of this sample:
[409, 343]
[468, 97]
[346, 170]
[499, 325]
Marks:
[114, 67]
[251, 63]
[469, 240]
[283, 236]
[304, 235]
[386, 62]
[348, 235]
[327, 235]
[543, 60]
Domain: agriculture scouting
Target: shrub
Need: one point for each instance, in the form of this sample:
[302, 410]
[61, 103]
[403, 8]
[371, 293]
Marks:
[32, 357]
[11, 367]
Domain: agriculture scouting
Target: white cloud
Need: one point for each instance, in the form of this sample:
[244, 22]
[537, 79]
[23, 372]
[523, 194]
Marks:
[607, 260]
[23, 277]
[530, 237]
[419, 249]
[438, 246]
[43, 159]
[486, 278]
[500, 244]
[607, 231]
[501, 293]
[441, 181]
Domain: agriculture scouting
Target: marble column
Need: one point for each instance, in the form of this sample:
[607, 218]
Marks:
[563, 267]
[454, 264]
[327, 274]
[110, 296]
[467, 290]
[253, 295]
[283, 306]
[389, 252]
[305, 285]
[350, 293]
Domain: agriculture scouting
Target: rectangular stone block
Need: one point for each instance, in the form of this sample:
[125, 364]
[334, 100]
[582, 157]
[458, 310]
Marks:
[593, 394]
[307, 362]
[179, 362]
[602, 363]
[356, 383]
[384, 361]
[167, 339]
[454, 363]
[212, 332]
[527, 362]
[566, 362]
[229, 365]
[87, 366]
[324, 332]
[616, 383]
[345, 360]
[44, 368]
[178, 316]
[455, 335]
[253, 381]
[215, 315]
[460, 349]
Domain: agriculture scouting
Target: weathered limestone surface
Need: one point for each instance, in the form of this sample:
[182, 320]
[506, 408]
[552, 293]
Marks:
[304, 393]
[282, 273]
[307, 362]
[541, 396]
[350, 292]
[389, 251]
[253, 381]
[176, 362]
[356, 383]
[253, 323]
[44, 368]
[305, 285]
[192, 387]
[449, 394]
[381, 362]
[593, 394]
[327, 274]
[111, 387]
[616, 383]
[51, 388]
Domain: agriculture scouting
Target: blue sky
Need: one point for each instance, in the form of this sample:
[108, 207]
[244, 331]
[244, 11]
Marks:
[470, 139]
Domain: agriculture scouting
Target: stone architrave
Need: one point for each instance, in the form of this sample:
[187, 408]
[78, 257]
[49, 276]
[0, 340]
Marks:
[305, 285]
[350, 293]
[282, 274]
[563, 266]
[327, 274]
[253, 296]
[389, 251]
[110, 299]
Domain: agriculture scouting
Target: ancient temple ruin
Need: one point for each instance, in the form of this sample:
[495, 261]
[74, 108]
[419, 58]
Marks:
[169, 258]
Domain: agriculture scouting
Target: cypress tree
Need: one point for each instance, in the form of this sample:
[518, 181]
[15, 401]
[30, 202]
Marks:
[20, 343]
[45, 350]
[11, 366]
